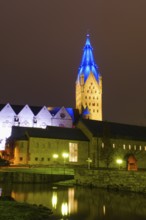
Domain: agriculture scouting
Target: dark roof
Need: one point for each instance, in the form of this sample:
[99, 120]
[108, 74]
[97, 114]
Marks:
[50, 132]
[17, 108]
[115, 130]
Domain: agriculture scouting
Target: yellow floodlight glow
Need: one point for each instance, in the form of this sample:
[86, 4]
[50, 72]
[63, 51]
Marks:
[65, 155]
[55, 156]
[119, 161]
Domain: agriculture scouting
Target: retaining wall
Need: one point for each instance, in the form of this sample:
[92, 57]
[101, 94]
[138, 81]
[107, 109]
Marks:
[14, 177]
[133, 181]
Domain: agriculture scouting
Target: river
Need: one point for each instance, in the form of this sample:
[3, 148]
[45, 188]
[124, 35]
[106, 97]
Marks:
[78, 203]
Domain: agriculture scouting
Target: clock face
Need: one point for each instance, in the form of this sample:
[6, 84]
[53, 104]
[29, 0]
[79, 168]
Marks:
[62, 115]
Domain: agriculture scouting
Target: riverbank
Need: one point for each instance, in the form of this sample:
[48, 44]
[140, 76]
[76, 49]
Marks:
[12, 210]
[119, 180]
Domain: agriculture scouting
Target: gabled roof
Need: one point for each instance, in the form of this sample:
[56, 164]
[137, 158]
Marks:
[50, 132]
[17, 108]
[88, 64]
[115, 130]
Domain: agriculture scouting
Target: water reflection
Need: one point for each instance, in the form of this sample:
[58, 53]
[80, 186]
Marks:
[81, 203]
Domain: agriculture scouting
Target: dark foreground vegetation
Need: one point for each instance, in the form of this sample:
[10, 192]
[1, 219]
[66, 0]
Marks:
[12, 210]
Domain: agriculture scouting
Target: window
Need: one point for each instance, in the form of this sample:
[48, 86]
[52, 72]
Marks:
[73, 152]
[129, 147]
[140, 147]
[21, 158]
[42, 159]
[102, 145]
[36, 158]
[16, 119]
[34, 120]
[113, 145]
[124, 147]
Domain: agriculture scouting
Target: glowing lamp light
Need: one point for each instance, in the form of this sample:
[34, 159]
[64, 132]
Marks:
[119, 161]
[65, 155]
[55, 156]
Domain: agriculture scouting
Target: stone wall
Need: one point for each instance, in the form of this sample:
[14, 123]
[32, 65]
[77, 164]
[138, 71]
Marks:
[12, 177]
[134, 181]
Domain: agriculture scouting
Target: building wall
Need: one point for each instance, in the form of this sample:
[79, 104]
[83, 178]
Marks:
[26, 118]
[40, 151]
[89, 95]
[117, 149]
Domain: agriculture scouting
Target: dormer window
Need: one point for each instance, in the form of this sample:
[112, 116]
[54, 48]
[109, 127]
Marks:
[16, 119]
[62, 115]
[34, 120]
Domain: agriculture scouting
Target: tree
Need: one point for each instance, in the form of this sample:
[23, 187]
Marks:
[107, 150]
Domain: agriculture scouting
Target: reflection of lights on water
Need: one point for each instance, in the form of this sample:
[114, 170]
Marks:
[64, 208]
[104, 210]
[54, 200]
[73, 204]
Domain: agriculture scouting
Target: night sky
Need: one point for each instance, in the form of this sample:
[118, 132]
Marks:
[41, 45]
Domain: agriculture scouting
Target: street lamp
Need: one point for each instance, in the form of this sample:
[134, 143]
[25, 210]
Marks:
[89, 161]
[119, 162]
[65, 156]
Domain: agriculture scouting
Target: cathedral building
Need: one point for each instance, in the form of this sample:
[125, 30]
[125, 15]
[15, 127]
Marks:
[42, 135]
[89, 86]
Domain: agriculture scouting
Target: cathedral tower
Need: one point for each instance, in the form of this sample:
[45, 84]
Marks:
[89, 86]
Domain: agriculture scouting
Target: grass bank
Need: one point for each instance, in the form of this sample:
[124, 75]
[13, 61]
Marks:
[12, 210]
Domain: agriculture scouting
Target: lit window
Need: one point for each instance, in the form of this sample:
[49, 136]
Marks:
[113, 145]
[124, 147]
[73, 152]
[102, 145]
[145, 148]
[134, 147]
[140, 148]
[129, 147]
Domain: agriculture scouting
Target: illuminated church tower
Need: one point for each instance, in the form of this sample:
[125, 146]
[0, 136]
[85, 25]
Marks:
[89, 86]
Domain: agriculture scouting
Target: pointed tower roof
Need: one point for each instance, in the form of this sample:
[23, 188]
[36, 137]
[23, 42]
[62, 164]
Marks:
[88, 64]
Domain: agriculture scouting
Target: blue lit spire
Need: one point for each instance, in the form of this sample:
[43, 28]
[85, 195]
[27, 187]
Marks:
[88, 64]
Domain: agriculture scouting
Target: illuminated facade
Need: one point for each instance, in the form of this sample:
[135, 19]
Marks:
[89, 86]
[32, 116]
